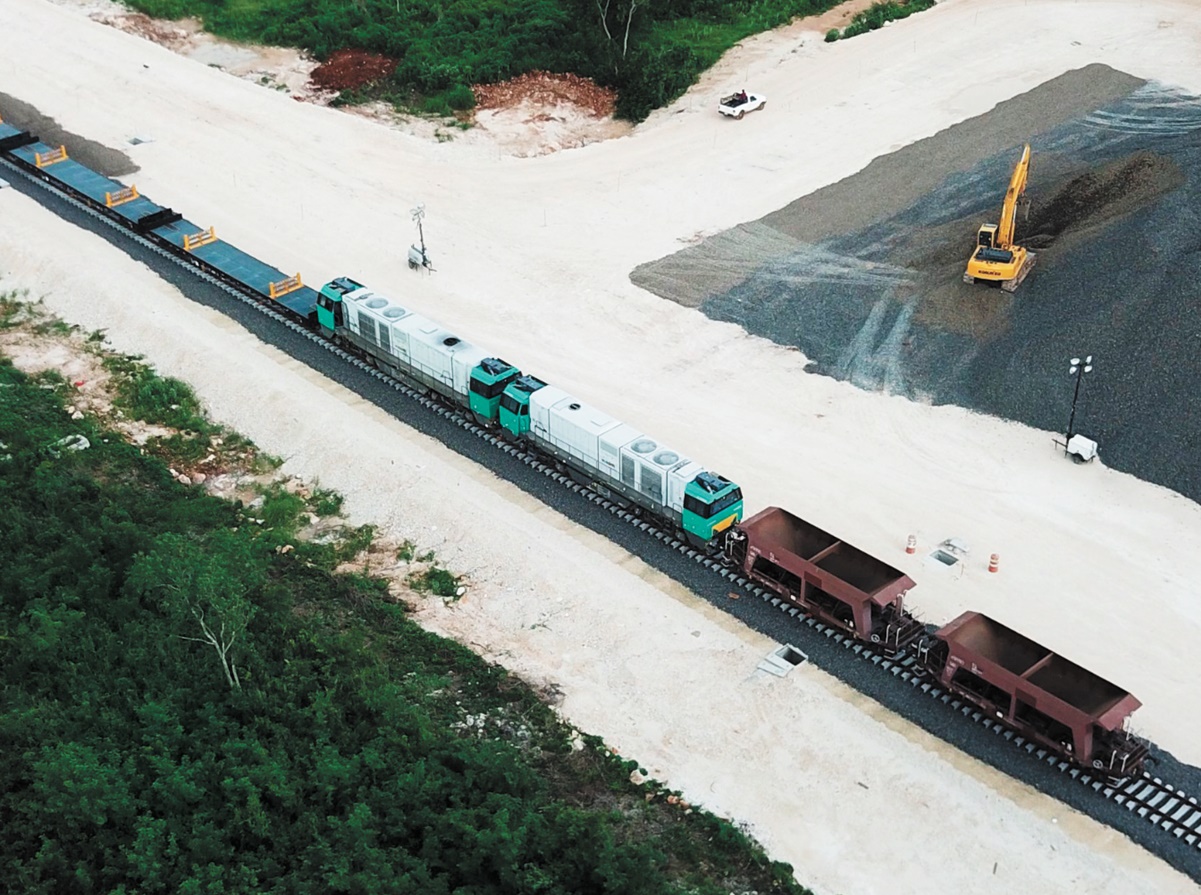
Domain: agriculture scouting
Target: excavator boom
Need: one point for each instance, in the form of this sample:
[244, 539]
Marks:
[1009, 210]
[996, 259]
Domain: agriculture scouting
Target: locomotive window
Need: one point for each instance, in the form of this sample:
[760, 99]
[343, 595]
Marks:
[488, 391]
[724, 503]
[652, 483]
[707, 510]
[509, 403]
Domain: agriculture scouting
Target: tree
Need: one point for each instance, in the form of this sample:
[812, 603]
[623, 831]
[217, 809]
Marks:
[621, 14]
[204, 585]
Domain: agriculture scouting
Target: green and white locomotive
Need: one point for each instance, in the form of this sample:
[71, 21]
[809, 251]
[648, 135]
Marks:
[613, 457]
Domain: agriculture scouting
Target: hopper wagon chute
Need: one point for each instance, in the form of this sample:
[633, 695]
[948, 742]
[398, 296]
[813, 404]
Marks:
[827, 578]
[1048, 699]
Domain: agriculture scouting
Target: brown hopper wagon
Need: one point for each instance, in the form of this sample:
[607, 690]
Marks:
[1048, 699]
[826, 577]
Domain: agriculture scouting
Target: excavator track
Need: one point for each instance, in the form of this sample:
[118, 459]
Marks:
[1027, 266]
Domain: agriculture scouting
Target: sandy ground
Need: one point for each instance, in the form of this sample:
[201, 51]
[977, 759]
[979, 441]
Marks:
[533, 257]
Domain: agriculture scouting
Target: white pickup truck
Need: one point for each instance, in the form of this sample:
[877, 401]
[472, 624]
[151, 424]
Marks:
[740, 103]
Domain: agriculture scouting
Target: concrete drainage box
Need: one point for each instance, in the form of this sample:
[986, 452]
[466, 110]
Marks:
[782, 660]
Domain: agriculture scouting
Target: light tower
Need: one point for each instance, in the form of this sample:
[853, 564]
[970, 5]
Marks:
[417, 256]
[1076, 446]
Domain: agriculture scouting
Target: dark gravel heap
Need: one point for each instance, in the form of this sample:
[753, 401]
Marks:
[864, 276]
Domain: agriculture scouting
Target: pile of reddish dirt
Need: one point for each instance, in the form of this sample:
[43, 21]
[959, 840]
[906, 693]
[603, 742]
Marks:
[348, 69]
[546, 88]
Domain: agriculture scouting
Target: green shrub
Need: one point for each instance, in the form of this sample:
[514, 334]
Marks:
[326, 502]
[281, 508]
[435, 580]
[436, 105]
[460, 98]
[832, 35]
[879, 14]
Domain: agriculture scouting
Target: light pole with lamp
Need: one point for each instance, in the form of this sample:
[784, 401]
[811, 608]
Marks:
[1084, 449]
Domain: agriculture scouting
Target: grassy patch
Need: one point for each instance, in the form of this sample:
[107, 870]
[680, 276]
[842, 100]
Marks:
[878, 15]
[144, 395]
[435, 580]
[326, 502]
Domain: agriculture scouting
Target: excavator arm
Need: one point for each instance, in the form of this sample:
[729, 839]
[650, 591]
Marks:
[996, 258]
[1009, 210]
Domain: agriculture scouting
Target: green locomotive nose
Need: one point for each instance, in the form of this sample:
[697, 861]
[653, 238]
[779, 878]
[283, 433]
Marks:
[514, 410]
[488, 381]
[712, 504]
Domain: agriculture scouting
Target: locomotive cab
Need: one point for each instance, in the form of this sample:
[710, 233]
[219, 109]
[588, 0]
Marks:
[329, 304]
[514, 409]
[712, 503]
[488, 381]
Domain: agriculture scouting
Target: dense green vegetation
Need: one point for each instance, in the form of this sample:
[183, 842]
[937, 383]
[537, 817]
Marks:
[193, 705]
[878, 15]
[651, 51]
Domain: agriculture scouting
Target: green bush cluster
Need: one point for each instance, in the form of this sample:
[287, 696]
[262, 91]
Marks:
[444, 46]
[878, 15]
[339, 759]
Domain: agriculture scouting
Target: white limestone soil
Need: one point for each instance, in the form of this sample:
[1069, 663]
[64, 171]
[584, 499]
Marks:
[532, 259]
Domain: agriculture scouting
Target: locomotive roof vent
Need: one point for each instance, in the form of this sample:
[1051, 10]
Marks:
[643, 446]
[451, 341]
[666, 458]
[394, 312]
[573, 406]
[376, 302]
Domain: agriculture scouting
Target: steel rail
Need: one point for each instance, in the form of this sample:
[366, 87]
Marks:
[1169, 808]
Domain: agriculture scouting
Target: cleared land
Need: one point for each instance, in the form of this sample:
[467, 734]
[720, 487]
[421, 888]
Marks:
[864, 276]
[533, 261]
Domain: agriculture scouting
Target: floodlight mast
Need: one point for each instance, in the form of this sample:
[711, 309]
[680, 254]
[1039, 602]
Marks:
[1078, 370]
[418, 213]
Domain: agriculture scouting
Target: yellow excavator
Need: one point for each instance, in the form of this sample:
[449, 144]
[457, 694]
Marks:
[996, 259]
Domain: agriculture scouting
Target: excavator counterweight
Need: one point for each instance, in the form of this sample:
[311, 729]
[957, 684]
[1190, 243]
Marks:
[996, 259]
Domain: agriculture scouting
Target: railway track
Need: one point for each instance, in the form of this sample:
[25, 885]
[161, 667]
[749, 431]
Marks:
[1168, 808]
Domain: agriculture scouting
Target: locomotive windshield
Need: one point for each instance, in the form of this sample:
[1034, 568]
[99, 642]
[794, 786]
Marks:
[707, 510]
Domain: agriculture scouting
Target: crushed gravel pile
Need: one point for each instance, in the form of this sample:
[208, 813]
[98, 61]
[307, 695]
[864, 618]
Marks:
[865, 276]
[547, 88]
[350, 69]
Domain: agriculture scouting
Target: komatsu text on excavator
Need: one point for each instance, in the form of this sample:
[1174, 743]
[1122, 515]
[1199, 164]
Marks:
[996, 259]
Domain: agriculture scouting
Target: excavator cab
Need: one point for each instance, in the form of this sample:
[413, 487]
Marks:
[987, 249]
[996, 259]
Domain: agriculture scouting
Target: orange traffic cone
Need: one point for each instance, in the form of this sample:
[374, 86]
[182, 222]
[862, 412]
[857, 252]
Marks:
[911, 547]
[994, 562]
